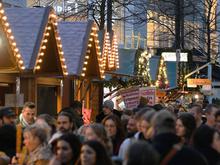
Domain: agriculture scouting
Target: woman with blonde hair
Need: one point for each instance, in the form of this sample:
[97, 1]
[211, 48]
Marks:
[35, 141]
[98, 133]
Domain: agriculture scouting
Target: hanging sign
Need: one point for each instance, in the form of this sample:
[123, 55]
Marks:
[195, 82]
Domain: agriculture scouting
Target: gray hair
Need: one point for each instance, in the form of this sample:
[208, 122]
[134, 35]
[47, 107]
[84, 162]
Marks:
[38, 132]
[164, 122]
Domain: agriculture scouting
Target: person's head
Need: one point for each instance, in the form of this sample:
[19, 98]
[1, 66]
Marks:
[185, 126]
[96, 132]
[217, 120]
[206, 137]
[64, 122]
[7, 115]
[113, 126]
[164, 122]
[108, 107]
[94, 153]
[34, 136]
[77, 107]
[138, 116]
[29, 112]
[49, 120]
[210, 111]
[146, 127]
[132, 125]
[68, 148]
[196, 111]
[137, 154]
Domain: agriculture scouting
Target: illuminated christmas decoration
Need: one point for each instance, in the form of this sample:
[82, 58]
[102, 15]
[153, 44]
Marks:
[110, 57]
[11, 39]
[162, 80]
[52, 24]
[93, 38]
[115, 58]
[106, 57]
[144, 68]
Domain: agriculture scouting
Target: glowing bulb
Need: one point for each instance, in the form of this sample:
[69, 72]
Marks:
[42, 53]
[16, 50]
[9, 30]
[40, 60]
[83, 74]
[22, 67]
[37, 67]
[18, 56]
[20, 62]
[4, 18]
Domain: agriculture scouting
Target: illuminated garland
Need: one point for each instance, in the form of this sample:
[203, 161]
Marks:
[162, 80]
[51, 24]
[93, 37]
[115, 57]
[144, 67]
[11, 39]
[106, 58]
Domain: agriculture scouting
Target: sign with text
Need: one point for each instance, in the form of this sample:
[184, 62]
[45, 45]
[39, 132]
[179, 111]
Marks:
[171, 56]
[149, 93]
[130, 97]
[195, 82]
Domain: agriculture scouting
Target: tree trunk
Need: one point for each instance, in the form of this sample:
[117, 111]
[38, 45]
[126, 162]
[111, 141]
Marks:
[102, 15]
[109, 16]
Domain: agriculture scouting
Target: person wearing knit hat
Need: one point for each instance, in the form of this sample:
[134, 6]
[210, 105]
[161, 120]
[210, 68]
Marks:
[107, 109]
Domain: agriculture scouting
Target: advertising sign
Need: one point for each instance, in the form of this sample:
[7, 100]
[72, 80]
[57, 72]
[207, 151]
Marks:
[149, 93]
[130, 97]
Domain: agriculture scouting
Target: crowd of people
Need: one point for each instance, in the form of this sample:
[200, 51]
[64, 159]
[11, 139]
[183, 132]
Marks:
[146, 135]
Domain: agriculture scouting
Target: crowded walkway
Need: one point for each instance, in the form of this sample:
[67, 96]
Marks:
[146, 135]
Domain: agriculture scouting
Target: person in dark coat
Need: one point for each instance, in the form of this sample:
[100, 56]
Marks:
[108, 109]
[8, 140]
[207, 141]
[168, 144]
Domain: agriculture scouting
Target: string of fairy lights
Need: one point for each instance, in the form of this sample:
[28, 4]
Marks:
[110, 57]
[11, 39]
[162, 80]
[144, 66]
[52, 24]
[93, 38]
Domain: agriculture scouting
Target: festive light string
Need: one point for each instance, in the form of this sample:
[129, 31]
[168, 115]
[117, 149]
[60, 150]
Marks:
[11, 39]
[144, 66]
[162, 73]
[93, 38]
[52, 24]
[115, 52]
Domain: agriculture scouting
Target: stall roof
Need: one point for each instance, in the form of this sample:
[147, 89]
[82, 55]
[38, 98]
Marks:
[126, 61]
[75, 38]
[28, 25]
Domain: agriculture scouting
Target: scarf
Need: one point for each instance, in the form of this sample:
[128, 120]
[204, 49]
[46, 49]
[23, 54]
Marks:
[23, 122]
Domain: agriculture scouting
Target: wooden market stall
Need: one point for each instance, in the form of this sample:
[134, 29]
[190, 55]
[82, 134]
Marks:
[82, 53]
[36, 55]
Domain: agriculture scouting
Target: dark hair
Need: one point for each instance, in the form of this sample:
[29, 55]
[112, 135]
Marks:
[217, 114]
[142, 153]
[30, 105]
[76, 105]
[120, 131]
[74, 143]
[102, 157]
[203, 137]
[210, 107]
[189, 123]
[67, 115]
[197, 107]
